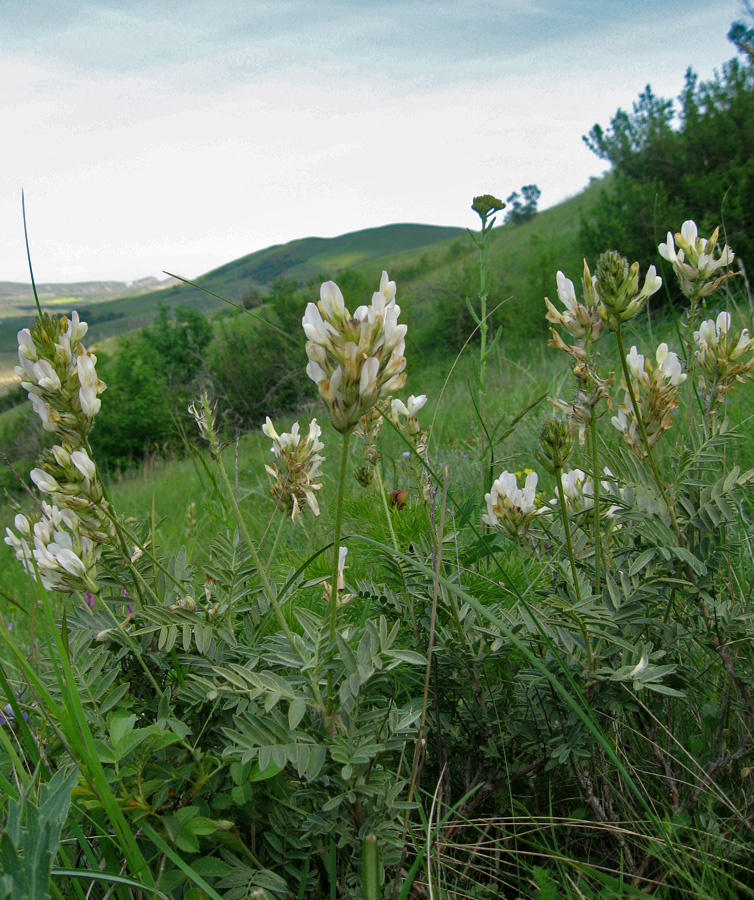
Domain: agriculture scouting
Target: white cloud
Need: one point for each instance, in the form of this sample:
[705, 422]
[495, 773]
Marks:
[190, 162]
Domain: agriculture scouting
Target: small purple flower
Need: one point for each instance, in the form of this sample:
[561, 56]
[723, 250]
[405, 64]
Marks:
[89, 601]
[464, 456]
[406, 454]
[8, 717]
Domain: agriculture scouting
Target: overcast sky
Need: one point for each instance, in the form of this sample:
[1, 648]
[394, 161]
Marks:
[180, 135]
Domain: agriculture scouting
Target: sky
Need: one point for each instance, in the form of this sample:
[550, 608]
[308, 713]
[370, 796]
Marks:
[179, 135]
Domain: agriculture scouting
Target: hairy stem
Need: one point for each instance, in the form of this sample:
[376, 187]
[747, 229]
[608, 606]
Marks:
[574, 572]
[336, 539]
[597, 527]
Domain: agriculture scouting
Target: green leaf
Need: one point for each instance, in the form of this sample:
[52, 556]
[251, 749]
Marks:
[187, 842]
[408, 656]
[642, 560]
[129, 742]
[683, 554]
[120, 725]
[296, 711]
[200, 825]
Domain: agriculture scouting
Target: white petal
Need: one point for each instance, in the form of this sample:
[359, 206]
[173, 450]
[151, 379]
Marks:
[689, 232]
[332, 300]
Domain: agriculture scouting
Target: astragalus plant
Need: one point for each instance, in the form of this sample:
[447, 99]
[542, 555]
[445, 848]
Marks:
[251, 723]
[543, 685]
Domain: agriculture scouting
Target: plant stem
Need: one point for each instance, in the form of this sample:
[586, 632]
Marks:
[383, 495]
[336, 539]
[574, 572]
[274, 547]
[266, 586]
[482, 320]
[640, 422]
[381, 488]
[597, 527]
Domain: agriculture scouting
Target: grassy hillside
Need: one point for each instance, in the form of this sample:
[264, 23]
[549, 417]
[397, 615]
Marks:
[300, 260]
[431, 265]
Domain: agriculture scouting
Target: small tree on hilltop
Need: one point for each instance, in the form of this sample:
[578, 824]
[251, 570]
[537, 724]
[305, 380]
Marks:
[522, 207]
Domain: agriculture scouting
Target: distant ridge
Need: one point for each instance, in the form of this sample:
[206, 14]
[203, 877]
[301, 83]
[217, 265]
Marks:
[18, 290]
[306, 258]
[112, 308]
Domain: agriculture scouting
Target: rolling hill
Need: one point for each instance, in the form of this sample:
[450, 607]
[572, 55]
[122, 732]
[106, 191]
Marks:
[300, 260]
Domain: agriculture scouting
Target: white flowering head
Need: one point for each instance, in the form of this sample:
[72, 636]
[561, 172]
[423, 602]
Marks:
[355, 360]
[59, 375]
[56, 548]
[297, 466]
[696, 262]
[404, 415]
[724, 357]
[511, 509]
[581, 320]
[578, 492]
[656, 390]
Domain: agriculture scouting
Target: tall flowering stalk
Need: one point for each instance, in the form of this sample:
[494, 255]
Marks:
[59, 374]
[586, 325]
[700, 266]
[355, 360]
[620, 300]
[404, 418]
[486, 207]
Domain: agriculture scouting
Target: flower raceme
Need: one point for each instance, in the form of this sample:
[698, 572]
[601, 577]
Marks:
[403, 415]
[695, 262]
[578, 491]
[56, 547]
[720, 355]
[300, 464]
[656, 391]
[580, 320]
[617, 285]
[59, 375]
[511, 509]
[355, 360]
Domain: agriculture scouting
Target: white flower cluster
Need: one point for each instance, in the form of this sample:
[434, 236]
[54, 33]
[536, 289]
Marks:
[720, 354]
[656, 391]
[59, 374]
[60, 377]
[356, 359]
[511, 509]
[55, 547]
[578, 491]
[581, 320]
[695, 262]
[300, 465]
[404, 417]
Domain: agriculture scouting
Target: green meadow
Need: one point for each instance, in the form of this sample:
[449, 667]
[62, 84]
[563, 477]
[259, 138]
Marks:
[483, 629]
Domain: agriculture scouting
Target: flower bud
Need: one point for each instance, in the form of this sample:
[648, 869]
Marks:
[556, 441]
